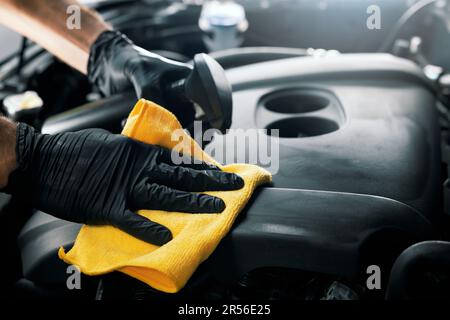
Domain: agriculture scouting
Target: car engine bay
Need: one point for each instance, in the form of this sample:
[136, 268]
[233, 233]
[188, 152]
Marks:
[363, 149]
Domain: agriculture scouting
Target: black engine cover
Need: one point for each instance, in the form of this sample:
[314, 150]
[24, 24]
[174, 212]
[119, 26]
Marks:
[358, 177]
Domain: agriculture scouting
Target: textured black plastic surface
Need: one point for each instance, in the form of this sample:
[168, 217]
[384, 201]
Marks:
[387, 143]
[372, 182]
[316, 231]
[39, 242]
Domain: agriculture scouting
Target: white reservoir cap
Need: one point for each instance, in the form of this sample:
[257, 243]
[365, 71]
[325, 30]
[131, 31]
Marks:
[26, 101]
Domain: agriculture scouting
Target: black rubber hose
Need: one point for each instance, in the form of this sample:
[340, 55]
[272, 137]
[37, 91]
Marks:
[421, 272]
[408, 15]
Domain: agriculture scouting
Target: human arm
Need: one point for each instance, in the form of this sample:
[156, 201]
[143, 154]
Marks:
[110, 60]
[44, 22]
[7, 150]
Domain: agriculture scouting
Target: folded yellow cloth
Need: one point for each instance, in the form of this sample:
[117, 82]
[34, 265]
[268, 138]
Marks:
[101, 249]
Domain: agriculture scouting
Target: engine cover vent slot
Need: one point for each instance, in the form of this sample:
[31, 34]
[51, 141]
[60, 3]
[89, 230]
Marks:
[294, 101]
[303, 127]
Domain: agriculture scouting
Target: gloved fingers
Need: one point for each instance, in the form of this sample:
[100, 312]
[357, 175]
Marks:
[188, 179]
[142, 228]
[195, 164]
[152, 196]
[170, 157]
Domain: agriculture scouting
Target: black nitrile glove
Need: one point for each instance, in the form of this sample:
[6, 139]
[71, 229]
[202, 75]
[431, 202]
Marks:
[116, 65]
[95, 177]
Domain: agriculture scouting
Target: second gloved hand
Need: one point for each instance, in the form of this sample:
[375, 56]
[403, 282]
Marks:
[117, 64]
[95, 177]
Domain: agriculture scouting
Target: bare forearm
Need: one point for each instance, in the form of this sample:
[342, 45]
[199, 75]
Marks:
[7, 150]
[45, 22]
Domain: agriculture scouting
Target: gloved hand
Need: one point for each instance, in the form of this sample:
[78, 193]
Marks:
[95, 177]
[116, 64]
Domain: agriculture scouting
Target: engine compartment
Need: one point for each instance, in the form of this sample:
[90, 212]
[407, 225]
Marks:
[358, 175]
[359, 146]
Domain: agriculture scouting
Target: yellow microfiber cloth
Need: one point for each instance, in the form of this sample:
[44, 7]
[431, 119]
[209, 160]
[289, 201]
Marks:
[102, 249]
